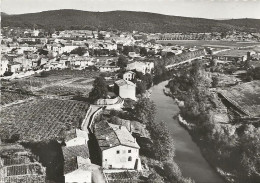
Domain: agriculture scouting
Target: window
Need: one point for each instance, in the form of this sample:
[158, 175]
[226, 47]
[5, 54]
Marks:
[129, 158]
[105, 159]
[117, 152]
[129, 151]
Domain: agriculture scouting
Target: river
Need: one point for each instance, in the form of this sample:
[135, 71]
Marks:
[188, 155]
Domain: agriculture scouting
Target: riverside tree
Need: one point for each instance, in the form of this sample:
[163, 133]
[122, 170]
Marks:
[145, 110]
[99, 89]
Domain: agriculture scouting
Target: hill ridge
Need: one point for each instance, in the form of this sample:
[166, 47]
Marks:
[127, 21]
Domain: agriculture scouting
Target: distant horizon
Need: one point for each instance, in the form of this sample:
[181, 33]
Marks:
[130, 11]
[207, 9]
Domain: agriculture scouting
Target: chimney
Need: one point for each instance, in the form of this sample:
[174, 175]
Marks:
[120, 127]
[107, 138]
[134, 140]
[110, 145]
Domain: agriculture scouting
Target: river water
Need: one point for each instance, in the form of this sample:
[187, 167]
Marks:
[188, 155]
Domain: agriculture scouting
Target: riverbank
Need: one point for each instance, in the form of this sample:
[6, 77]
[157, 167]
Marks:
[191, 128]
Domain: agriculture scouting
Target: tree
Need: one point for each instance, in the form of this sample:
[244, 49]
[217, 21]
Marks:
[250, 147]
[145, 110]
[148, 80]
[143, 51]
[155, 178]
[100, 36]
[215, 82]
[99, 89]
[44, 74]
[172, 171]
[162, 141]
[8, 73]
[140, 87]
[79, 51]
[122, 61]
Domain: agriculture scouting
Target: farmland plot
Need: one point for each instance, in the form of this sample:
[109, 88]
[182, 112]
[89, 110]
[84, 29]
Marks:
[41, 119]
[11, 96]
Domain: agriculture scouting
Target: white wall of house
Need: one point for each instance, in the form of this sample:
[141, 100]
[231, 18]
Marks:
[120, 157]
[128, 76]
[79, 176]
[108, 69]
[15, 68]
[127, 91]
[3, 67]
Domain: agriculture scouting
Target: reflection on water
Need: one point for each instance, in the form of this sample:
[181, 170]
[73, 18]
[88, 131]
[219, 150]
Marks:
[188, 154]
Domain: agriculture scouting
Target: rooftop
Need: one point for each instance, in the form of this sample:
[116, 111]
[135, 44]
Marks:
[123, 82]
[74, 151]
[74, 133]
[109, 135]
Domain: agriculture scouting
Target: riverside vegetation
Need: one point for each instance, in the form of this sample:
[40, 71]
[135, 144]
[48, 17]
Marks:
[227, 147]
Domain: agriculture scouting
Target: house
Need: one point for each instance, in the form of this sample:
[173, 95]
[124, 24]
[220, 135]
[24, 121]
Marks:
[108, 68]
[18, 164]
[133, 55]
[80, 61]
[14, 67]
[144, 67]
[76, 137]
[3, 66]
[129, 75]
[76, 162]
[25, 62]
[125, 89]
[118, 149]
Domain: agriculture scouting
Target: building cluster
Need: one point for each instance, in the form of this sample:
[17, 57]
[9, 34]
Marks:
[29, 50]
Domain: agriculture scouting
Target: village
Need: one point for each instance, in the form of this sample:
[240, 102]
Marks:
[60, 91]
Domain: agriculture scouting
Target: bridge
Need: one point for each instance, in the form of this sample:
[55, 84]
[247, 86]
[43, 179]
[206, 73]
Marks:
[171, 66]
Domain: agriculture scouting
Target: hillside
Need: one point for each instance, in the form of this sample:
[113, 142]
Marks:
[125, 21]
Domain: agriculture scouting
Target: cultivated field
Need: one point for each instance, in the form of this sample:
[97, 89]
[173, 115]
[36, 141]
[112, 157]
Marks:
[12, 96]
[41, 119]
[221, 44]
[246, 95]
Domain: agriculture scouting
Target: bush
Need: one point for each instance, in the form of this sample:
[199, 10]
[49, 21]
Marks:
[44, 74]
[8, 73]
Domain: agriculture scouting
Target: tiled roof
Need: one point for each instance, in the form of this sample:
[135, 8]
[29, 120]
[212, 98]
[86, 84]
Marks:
[74, 133]
[123, 82]
[73, 151]
[70, 165]
[124, 135]
[110, 135]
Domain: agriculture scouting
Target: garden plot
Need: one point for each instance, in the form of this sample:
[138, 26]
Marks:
[41, 119]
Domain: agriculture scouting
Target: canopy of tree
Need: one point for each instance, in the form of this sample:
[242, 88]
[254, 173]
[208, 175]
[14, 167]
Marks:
[99, 89]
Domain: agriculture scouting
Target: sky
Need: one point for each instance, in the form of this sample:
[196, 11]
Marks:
[213, 9]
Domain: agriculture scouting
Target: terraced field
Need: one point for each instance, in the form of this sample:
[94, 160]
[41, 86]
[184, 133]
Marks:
[41, 119]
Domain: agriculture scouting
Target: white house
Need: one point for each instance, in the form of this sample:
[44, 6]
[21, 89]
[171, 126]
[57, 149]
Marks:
[3, 66]
[76, 137]
[129, 75]
[125, 89]
[144, 67]
[14, 67]
[76, 163]
[118, 148]
[108, 68]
